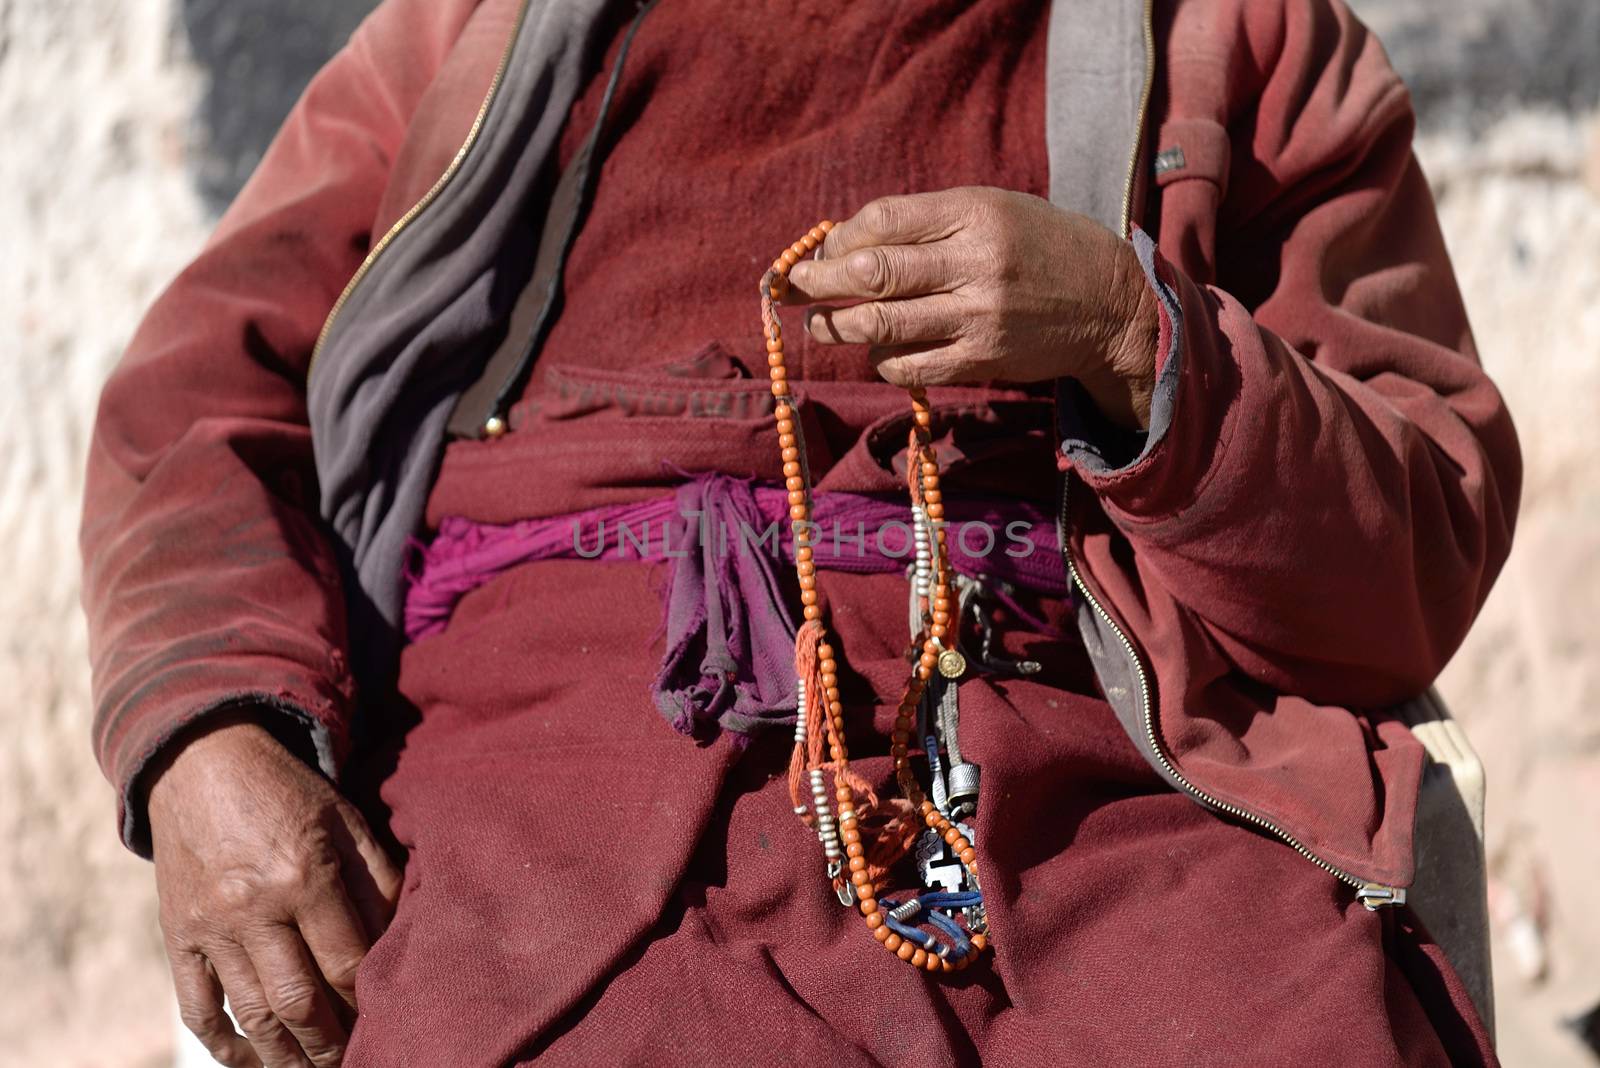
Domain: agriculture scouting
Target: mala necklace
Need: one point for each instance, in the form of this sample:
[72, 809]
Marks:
[862, 843]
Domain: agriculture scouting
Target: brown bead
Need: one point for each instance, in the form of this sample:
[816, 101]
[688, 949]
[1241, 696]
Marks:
[776, 371]
[774, 344]
[797, 512]
[927, 468]
[830, 673]
[945, 965]
[805, 568]
[951, 835]
[826, 226]
[790, 257]
[906, 951]
[802, 551]
[979, 942]
[775, 359]
[968, 855]
[883, 934]
[808, 596]
[781, 267]
[782, 413]
[874, 920]
[857, 864]
[851, 836]
[791, 454]
[959, 844]
[932, 818]
[919, 958]
[861, 878]
[809, 242]
[794, 483]
[835, 753]
[926, 807]
[941, 604]
[812, 612]
[893, 942]
[924, 418]
[785, 425]
[935, 511]
[868, 905]
[797, 496]
[833, 693]
[900, 737]
[928, 659]
[817, 233]
[835, 709]
[791, 468]
[934, 962]
[787, 441]
[808, 582]
[938, 630]
[824, 652]
[798, 248]
[932, 496]
[853, 849]
[780, 388]
[899, 752]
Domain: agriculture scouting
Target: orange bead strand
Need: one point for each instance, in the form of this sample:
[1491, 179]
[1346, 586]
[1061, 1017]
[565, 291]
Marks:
[924, 484]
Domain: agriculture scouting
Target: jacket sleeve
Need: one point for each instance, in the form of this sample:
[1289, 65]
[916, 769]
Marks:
[208, 581]
[1330, 480]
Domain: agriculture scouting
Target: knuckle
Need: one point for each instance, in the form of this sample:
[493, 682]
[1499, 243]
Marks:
[254, 1016]
[231, 895]
[886, 215]
[869, 269]
[294, 1001]
[880, 323]
[341, 973]
[324, 1051]
[201, 1020]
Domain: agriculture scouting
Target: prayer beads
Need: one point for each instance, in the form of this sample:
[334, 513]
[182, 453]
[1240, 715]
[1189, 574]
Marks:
[819, 709]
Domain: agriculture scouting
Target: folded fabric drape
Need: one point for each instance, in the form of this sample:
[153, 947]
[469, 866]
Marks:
[729, 661]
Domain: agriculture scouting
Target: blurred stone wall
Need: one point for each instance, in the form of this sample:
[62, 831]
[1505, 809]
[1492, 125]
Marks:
[127, 126]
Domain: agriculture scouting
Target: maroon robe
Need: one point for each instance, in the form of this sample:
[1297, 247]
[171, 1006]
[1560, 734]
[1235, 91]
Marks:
[587, 886]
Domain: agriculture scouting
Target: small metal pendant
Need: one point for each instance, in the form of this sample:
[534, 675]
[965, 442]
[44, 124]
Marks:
[938, 866]
[952, 665]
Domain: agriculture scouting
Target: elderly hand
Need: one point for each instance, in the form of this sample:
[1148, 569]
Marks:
[272, 889]
[975, 284]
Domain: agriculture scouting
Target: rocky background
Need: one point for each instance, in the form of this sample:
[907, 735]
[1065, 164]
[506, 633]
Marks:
[127, 126]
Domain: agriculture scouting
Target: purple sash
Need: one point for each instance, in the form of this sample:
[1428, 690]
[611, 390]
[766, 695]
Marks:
[729, 661]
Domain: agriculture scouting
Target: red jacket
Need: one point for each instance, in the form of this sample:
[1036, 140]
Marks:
[1303, 538]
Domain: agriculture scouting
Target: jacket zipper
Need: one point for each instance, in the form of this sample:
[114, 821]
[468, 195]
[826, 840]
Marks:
[1372, 895]
[427, 198]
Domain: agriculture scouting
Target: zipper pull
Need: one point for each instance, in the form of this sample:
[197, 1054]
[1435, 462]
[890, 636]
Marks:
[1375, 896]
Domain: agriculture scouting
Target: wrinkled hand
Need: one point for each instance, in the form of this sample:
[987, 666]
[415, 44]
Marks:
[977, 284]
[272, 889]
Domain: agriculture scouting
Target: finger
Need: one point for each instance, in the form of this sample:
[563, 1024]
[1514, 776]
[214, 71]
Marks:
[370, 877]
[273, 1043]
[200, 1007]
[878, 272]
[293, 987]
[337, 938]
[942, 363]
[889, 322]
[911, 219]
